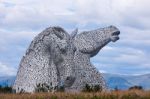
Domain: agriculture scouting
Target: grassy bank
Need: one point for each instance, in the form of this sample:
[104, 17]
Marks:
[107, 95]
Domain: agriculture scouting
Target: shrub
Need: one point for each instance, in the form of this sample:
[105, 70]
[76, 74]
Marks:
[5, 89]
[92, 88]
[136, 88]
[116, 88]
[97, 88]
[87, 88]
[61, 89]
[48, 88]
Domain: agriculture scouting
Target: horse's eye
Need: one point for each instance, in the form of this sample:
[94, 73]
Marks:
[67, 78]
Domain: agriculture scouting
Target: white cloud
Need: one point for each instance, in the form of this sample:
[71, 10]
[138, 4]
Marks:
[133, 59]
[102, 71]
[7, 70]
[122, 50]
[122, 60]
[134, 36]
[30, 13]
[11, 39]
[21, 20]
[13, 35]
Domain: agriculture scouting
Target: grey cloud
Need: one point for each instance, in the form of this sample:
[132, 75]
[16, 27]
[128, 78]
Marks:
[122, 59]
[26, 18]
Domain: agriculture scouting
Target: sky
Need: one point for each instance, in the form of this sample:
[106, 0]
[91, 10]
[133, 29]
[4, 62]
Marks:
[22, 20]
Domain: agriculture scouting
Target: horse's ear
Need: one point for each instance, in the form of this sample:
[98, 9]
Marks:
[74, 33]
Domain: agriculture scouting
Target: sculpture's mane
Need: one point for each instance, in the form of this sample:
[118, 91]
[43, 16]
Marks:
[58, 31]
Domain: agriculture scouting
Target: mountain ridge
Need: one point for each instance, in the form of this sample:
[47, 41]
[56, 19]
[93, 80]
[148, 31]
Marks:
[126, 81]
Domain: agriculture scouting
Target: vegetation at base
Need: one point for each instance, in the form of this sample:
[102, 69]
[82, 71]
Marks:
[92, 88]
[136, 88]
[132, 94]
[48, 88]
[5, 89]
[90, 92]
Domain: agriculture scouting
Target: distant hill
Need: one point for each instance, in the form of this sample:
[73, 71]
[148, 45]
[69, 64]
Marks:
[143, 80]
[122, 82]
[125, 81]
[118, 82]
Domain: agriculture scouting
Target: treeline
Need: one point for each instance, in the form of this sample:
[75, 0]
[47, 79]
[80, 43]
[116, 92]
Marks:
[136, 87]
[5, 89]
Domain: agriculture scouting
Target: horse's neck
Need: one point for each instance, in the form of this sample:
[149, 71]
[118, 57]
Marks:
[81, 60]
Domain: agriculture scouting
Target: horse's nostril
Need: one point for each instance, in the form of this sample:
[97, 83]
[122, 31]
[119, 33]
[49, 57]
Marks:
[116, 33]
